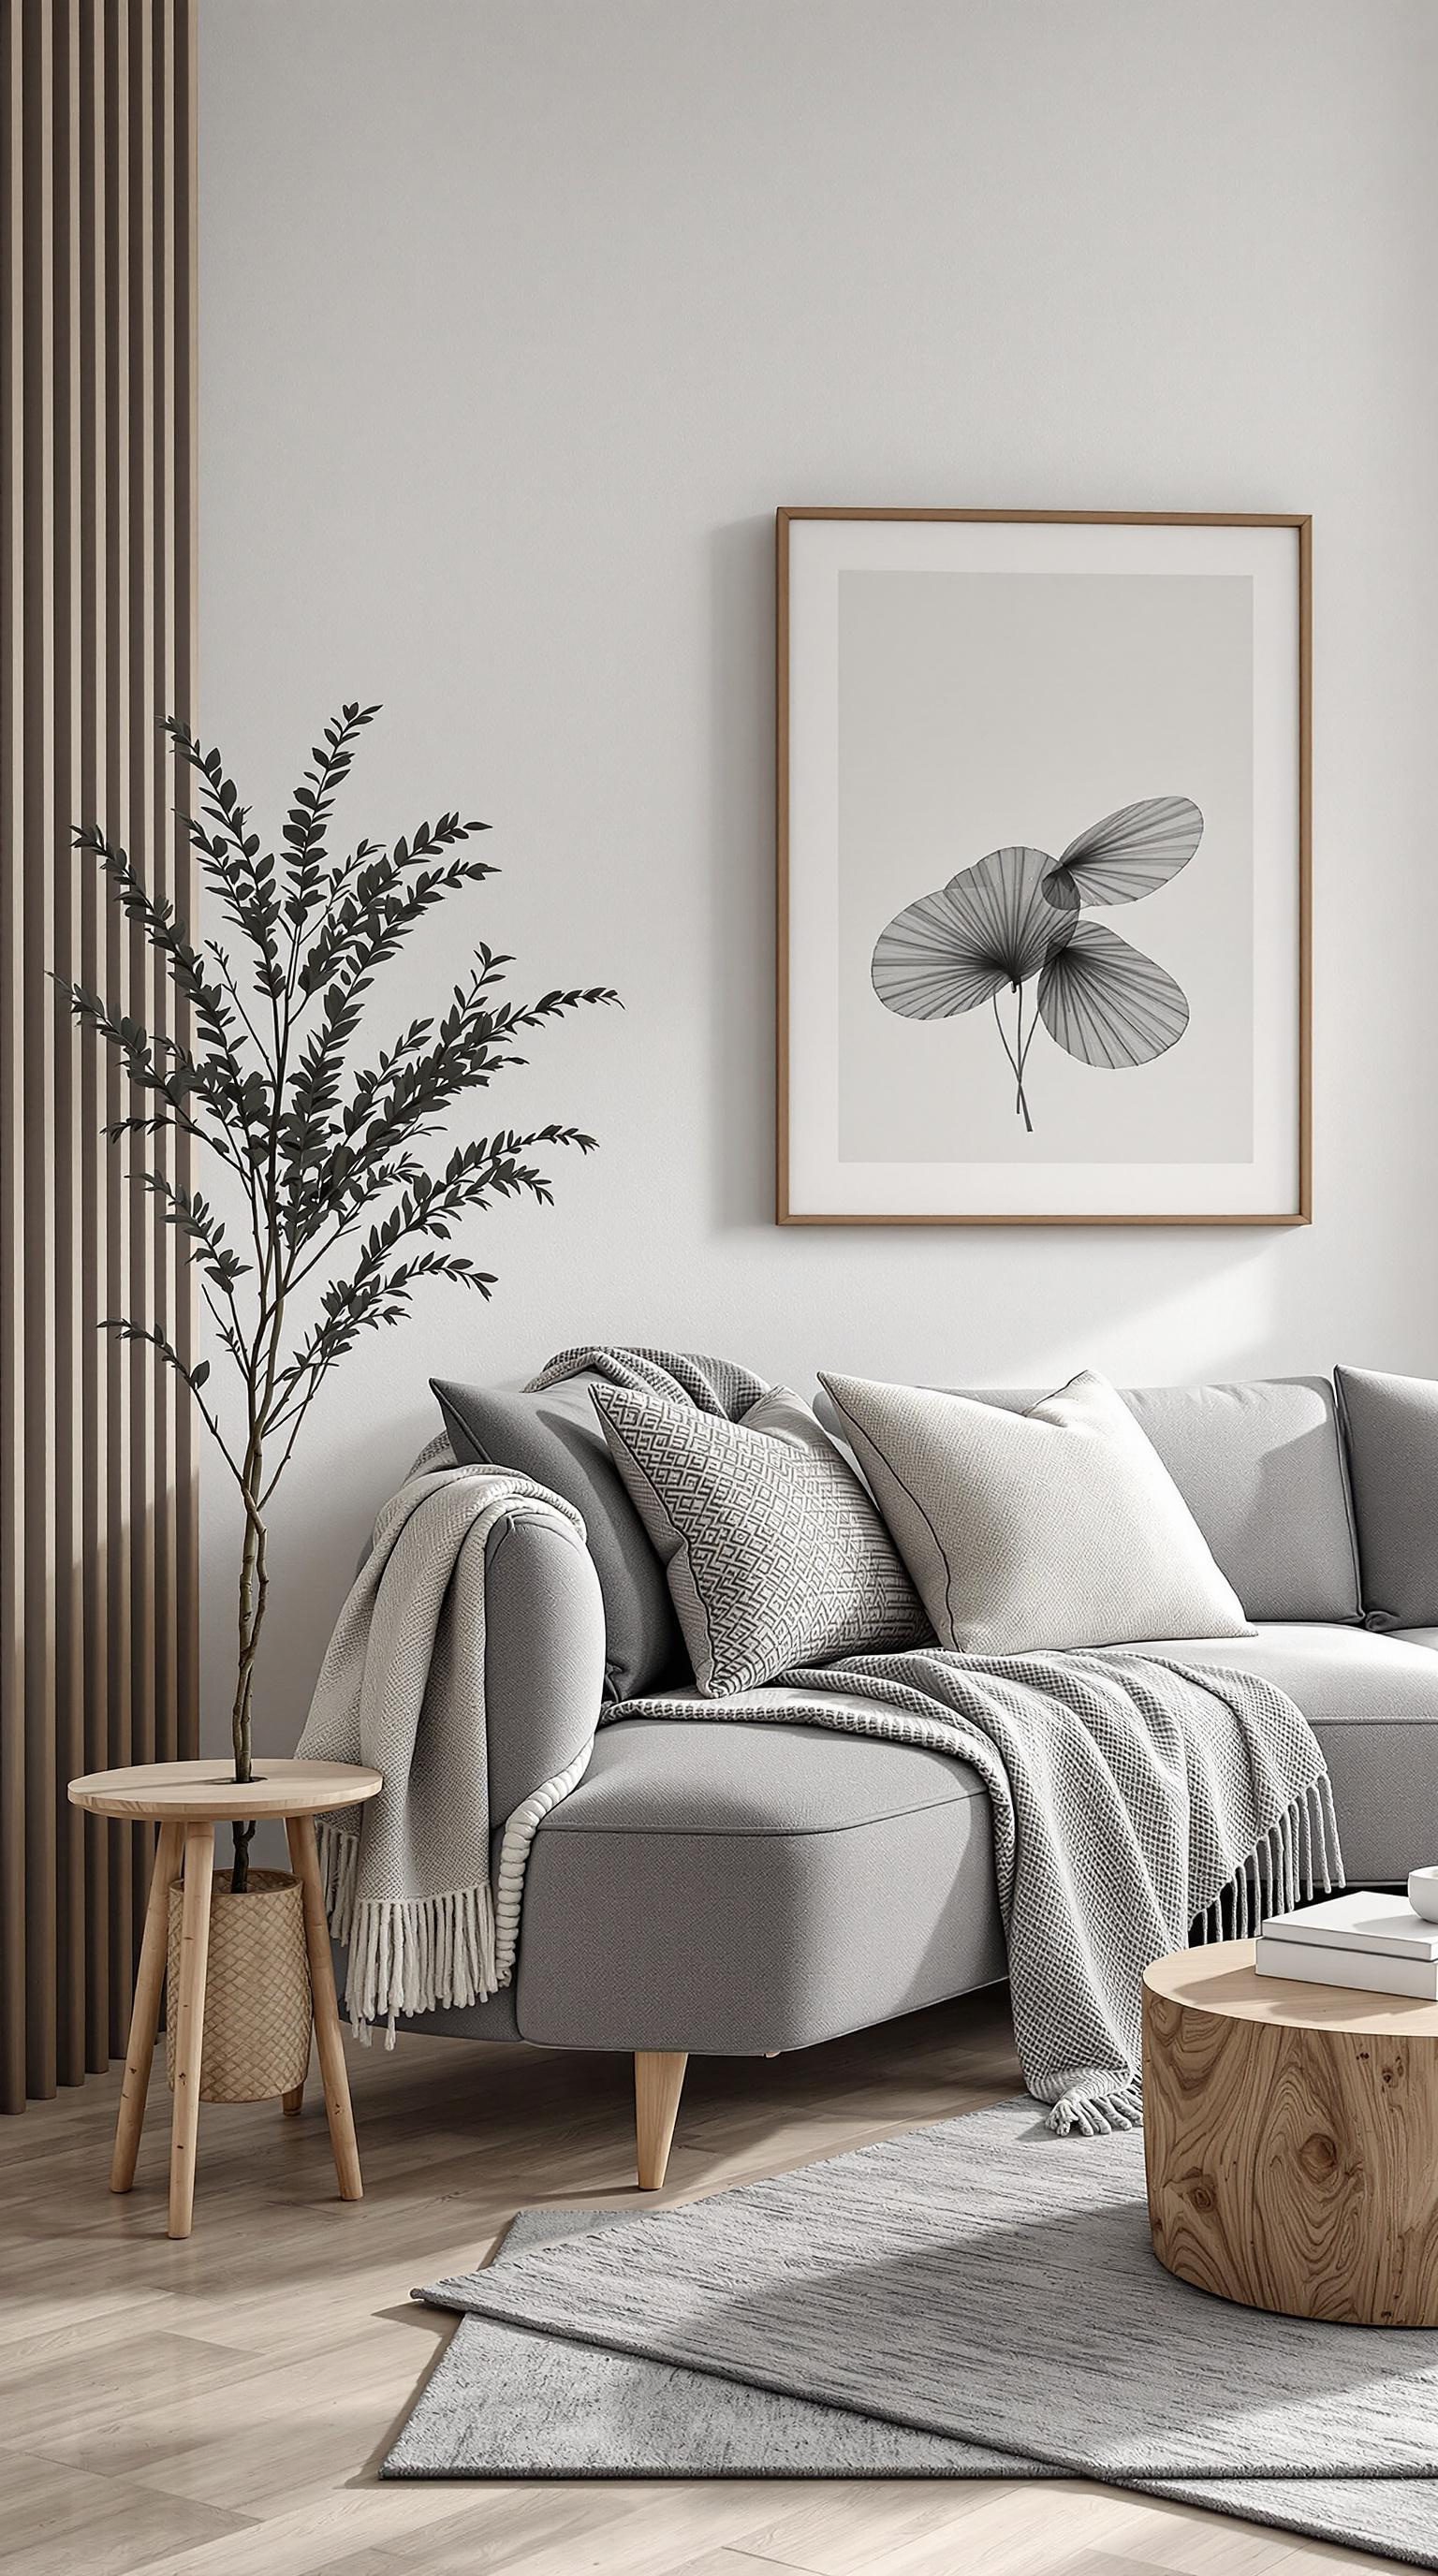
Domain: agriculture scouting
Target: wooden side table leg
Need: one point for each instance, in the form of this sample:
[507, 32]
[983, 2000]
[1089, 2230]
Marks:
[190, 2022]
[300, 1834]
[145, 2012]
[293, 2103]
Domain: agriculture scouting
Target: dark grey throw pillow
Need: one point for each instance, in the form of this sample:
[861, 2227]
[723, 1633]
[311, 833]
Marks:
[555, 1438]
[775, 1553]
[1391, 1427]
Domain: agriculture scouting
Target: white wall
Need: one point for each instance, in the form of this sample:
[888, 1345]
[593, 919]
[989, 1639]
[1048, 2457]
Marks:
[518, 317]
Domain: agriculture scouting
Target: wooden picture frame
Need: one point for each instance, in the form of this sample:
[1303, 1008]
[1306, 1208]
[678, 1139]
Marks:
[816, 549]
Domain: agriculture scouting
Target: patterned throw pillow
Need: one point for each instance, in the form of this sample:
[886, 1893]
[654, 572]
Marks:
[774, 1552]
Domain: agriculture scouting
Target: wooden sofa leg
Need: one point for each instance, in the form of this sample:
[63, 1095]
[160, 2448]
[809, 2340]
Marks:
[658, 2083]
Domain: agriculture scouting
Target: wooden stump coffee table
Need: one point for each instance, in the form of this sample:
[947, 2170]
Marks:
[187, 1800]
[1291, 2140]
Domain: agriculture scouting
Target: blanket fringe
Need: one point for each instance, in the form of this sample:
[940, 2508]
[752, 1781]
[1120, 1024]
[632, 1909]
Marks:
[339, 1868]
[1096, 2115]
[1296, 1857]
[416, 1954]
[1283, 1868]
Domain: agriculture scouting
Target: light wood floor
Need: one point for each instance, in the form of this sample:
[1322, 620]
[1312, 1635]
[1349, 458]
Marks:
[221, 2406]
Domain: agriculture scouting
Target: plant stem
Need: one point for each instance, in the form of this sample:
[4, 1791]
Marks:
[1016, 1055]
[254, 1588]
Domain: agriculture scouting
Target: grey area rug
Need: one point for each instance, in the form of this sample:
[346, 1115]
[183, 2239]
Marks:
[975, 2300]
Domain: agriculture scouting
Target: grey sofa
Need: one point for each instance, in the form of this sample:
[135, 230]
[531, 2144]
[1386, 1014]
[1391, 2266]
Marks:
[741, 1890]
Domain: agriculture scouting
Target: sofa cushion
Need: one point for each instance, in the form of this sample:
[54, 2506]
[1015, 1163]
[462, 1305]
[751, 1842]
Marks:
[754, 1887]
[1372, 1702]
[1260, 1467]
[1056, 1527]
[555, 1438]
[792, 1883]
[775, 1553]
[1391, 1425]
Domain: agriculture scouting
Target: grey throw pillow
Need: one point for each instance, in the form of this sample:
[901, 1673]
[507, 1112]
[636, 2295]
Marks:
[1391, 1427]
[1260, 1467]
[1059, 1527]
[555, 1438]
[774, 1552]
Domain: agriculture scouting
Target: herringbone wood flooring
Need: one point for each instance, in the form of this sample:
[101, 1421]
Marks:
[218, 2408]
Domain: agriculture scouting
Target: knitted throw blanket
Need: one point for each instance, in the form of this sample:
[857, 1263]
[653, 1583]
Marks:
[407, 1877]
[681, 1377]
[1137, 1802]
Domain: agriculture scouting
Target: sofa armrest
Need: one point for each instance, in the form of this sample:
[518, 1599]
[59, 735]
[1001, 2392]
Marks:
[543, 1656]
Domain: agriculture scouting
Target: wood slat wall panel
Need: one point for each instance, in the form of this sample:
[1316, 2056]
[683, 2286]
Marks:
[39, 859]
[98, 1502]
[12, 1166]
[67, 1178]
[184, 90]
[123, 1891]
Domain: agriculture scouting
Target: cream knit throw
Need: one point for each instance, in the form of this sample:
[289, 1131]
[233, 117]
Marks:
[407, 1877]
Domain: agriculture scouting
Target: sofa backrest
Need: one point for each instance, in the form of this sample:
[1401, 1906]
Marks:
[1261, 1468]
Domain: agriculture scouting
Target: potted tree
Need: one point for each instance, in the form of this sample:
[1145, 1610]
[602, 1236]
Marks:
[332, 1216]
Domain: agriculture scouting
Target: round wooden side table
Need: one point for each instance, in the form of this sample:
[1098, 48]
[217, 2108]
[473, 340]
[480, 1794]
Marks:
[187, 1800]
[1291, 2140]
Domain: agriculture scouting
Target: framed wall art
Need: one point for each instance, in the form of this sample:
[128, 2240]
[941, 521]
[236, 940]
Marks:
[1043, 868]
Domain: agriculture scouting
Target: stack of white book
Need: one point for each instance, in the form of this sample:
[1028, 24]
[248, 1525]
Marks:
[1358, 1939]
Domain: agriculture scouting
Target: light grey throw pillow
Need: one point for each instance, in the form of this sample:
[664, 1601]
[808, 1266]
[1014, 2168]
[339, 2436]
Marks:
[775, 1554]
[1053, 1528]
[1391, 1426]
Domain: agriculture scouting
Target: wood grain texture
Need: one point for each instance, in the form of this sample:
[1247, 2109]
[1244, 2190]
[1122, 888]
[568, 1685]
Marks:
[189, 2008]
[97, 505]
[189, 1799]
[220, 2409]
[1291, 2141]
[329, 2036]
[658, 2084]
[204, 1791]
[144, 2019]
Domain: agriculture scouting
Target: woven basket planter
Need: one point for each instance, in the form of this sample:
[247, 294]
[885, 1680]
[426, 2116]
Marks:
[257, 1990]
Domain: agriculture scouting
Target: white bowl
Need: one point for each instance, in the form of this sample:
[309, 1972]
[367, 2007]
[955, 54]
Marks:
[1423, 1893]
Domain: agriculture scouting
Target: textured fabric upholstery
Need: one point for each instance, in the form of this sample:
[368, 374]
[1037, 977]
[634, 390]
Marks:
[1391, 1425]
[729, 1888]
[555, 1437]
[774, 1552]
[1260, 1467]
[722, 1888]
[1373, 1704]
[1056, 1527]
[543, 1657]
